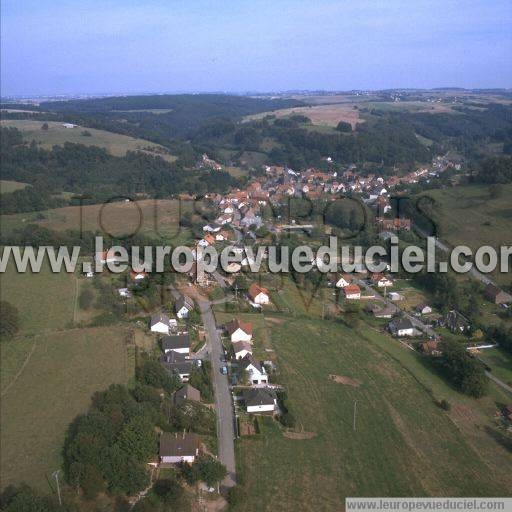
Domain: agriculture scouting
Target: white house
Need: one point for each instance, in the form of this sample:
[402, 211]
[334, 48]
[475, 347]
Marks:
[256, 371]
[401, 327]
[424, 309]
[161, 323]
[68, 125]
[124, 292]
[343, 281]
[138, 276]
[259, 401]
[258, 294]
[241, 349]
[183, 306]
[179, 343]
[384, 282]
[176, 448]
[239, 331]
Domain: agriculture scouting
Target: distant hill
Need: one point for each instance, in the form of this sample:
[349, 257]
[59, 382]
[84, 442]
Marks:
[161, 118]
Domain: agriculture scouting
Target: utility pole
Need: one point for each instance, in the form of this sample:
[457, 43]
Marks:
[355, 413]
[56, 476]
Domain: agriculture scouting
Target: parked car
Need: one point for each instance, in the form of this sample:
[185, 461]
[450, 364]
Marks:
[224, 370]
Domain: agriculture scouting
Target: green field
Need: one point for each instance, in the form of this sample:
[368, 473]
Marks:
[114, 143]
[7, 186]
[403, 445]
[500, 363]
[49, 372]
[468, 215]
[45, 300]
[46, 388]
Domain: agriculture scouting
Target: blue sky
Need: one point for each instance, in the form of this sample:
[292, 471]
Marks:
[59, 47]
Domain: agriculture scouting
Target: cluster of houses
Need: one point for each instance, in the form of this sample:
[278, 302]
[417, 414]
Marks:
[258, 398]
[175, 344]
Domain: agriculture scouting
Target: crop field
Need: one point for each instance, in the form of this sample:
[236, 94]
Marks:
[468, 215]
[7, 186]
[403, 443]
[329, 115]
[155, 218]
[114, 143]
[46, 388]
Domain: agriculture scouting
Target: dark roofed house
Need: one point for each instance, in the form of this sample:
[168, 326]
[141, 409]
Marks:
[176, 448]
[176, 343]
[456, 322]
[177, 364]
[183, 306]
[401, 327]
[496, 295]
[259, 400]
[187, 392]
[256, 371]
[160, 322]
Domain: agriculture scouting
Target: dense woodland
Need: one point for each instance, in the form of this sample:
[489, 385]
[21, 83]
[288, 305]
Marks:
[93, 172]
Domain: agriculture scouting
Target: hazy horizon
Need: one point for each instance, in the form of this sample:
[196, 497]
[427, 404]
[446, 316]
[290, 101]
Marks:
[106, 48]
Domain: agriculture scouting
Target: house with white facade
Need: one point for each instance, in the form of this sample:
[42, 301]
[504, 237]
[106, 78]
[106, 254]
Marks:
[162, 324]
[239, 331]
[176, 448]
[259, 401]
[401, 327]
[179, 343]
[258, 294]
[256, 371]
[241, 349]
[184, 305]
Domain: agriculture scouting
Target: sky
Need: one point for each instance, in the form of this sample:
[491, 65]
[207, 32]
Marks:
[112, 46]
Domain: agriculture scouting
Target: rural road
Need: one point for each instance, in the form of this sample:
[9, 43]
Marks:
[223, 399]
[499, 382]
[445, 248]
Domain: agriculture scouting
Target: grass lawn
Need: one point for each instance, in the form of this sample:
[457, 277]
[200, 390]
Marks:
[43, 392]
[499, 361]
[56, 134]
[467, 215]
[44, 300]
[404, 443]
[7, 186]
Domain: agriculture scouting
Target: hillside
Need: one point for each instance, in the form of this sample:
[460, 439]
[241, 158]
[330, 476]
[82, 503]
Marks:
[57, 134]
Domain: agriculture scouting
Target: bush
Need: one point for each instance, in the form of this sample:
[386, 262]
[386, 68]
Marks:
[9, 319]
[445, 405]
[86, 298]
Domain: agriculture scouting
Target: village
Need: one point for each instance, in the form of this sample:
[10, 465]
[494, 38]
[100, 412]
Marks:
[244, 375]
